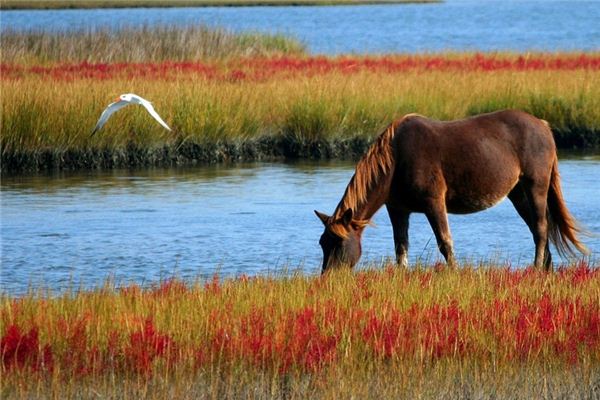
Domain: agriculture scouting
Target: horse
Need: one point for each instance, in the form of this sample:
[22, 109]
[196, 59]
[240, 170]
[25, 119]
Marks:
[422, 165]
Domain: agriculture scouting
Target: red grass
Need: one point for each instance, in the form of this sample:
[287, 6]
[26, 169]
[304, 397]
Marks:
[514, 327]
[23, 351]
[262, 69]
[146, 345]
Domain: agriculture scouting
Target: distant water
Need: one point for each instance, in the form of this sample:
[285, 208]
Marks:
[518, 25]
[139, 226]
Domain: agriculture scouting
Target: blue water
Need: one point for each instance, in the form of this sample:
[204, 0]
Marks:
[453, 25]
[139, 226]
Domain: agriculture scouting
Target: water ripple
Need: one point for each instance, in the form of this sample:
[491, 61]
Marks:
[235, 229]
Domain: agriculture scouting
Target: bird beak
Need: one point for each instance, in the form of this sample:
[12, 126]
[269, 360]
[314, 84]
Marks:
[117, 99]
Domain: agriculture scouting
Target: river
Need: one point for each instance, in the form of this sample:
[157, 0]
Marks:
[140, 226]
[143, 225]
[461, 25]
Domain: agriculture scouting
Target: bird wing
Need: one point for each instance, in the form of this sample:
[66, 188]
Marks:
[153, 112]
[112, 108]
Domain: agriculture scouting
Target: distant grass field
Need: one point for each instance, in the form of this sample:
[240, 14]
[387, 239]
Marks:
[62, 4]
[422, 333]
[143, 44]
[254, 96]
[247, 109]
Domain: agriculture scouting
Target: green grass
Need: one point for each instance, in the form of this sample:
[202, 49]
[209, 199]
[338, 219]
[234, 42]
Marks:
[61, 4]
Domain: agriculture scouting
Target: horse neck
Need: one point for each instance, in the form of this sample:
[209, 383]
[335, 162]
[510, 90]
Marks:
[369, 187]
[373, 199]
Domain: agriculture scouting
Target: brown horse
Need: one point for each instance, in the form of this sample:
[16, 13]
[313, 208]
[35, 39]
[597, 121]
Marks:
[422, 165]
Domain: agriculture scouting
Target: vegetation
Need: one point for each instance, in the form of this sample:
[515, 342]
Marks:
[144, 44]
[232, 96]
[253, 108]
[486, 331]
[58, 4]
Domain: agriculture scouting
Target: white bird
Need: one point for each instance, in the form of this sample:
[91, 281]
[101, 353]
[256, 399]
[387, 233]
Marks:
[122, 101]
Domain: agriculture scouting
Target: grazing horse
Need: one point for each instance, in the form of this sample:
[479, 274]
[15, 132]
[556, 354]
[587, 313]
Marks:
[426, 166]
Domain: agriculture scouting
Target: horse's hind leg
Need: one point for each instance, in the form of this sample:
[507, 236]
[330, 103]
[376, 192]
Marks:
[399, 221]
[522, 198]
[438, 219]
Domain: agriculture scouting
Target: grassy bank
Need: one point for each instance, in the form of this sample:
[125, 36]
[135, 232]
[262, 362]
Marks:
[243, 97]
[428, 332]
[144, 44]
[62, 4]
[294, 107]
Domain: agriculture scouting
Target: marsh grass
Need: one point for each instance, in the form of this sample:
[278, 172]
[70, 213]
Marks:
[319, 116]
[400, 382]
[128, 44]
[480, 331]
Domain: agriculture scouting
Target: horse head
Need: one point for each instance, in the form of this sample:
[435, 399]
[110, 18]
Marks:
[340, 240]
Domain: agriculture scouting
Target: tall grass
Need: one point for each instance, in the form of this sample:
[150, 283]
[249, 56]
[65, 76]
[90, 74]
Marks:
[58, 4]
[232, 107]
[41, 115]
[428, 332]
[128, 44]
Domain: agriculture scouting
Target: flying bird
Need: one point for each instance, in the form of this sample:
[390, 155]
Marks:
[122, 101]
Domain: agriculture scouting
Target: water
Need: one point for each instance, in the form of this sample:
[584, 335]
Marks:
[455, 24]
[141, 226]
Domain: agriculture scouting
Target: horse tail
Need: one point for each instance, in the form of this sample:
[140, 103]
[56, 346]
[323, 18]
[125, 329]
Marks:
[562, 226]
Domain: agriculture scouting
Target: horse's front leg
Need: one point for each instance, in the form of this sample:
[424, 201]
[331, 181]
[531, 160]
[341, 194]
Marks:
[399, 221]
[438, 219]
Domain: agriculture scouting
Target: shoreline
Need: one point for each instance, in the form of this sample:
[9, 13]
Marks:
[265, 148]
[188, 153]
[108, 4]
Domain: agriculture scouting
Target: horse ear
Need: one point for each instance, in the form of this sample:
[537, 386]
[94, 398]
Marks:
[323, 217]
[347, 217]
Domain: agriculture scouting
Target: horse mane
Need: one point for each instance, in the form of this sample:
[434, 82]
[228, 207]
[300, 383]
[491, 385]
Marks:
[376, 163]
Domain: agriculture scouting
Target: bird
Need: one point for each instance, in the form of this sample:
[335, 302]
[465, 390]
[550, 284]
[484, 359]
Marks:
[122, 101]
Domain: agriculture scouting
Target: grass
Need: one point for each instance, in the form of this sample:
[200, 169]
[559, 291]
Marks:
[236, 96]
[156, 43]
[426, 332]
[61, 4]
[283, 107]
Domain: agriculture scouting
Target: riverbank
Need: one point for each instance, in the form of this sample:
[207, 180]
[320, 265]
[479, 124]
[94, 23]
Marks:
[233, 97]
[257, 108]
[182, 153]
[79, 4]
[385, 333]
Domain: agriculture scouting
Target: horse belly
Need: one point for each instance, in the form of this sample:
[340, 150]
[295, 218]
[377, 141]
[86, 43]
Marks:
[478, 191]
[471, 205]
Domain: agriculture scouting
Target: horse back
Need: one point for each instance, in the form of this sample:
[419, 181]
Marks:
[473, 162]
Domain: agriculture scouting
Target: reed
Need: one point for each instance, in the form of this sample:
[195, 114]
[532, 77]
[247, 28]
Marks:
[222, 111]
[147, 43]
[61, 4]
[426, 332]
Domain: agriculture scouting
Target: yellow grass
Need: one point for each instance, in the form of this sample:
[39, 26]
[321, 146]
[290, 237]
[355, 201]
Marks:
[40, 113]
[488, 299]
